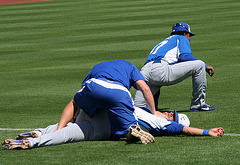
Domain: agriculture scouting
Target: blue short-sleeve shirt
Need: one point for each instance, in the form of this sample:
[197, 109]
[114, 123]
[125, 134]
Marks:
[119, 70]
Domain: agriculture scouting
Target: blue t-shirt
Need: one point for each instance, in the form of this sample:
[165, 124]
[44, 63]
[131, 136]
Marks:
[119, 70]
[173, 49]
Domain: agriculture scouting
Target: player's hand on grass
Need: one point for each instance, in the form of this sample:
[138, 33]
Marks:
[216, 132]
[210, 70]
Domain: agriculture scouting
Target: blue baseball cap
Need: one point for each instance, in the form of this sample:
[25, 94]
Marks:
[182, 26]
[181, 119]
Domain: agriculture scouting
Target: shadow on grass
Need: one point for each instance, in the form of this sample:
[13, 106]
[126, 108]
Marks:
[168, 110]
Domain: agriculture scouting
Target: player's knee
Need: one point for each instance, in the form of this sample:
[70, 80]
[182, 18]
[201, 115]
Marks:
[200, 63]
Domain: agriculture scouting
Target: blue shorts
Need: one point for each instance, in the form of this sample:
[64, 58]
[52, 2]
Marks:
[111, 96]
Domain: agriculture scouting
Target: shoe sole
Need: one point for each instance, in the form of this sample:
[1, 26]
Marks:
[196, 110]
[12, 144]
[208, 109]
[137, 132]
[26, 135]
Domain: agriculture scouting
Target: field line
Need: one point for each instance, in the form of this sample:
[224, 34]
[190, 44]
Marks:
[231, 134]
[15, 129]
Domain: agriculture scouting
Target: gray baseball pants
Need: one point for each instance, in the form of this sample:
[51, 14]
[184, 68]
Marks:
[85, 129]
[163, 74]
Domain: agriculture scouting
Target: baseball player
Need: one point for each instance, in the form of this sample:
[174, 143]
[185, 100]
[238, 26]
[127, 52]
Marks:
[107, 87]
[175, 124]
[170, 62]
[98, 128]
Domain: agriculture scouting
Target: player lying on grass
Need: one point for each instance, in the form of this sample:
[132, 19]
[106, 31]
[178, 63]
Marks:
[175, 124]
[98, 128]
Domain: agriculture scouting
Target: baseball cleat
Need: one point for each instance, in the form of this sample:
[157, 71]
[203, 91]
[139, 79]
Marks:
[143, 136]
[32, 134]
[204, 108]
[16, 144]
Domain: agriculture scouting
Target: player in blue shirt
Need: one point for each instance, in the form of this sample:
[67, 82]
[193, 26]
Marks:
[107, 87]
[170, 62]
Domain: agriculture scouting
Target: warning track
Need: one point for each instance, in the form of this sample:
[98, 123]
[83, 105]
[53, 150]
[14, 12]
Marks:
[10, 2]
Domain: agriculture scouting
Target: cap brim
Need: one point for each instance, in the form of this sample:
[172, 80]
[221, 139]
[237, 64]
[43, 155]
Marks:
[191, 34]
[176, 116]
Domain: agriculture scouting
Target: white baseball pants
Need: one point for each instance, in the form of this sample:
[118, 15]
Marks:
[163, 74]
[85, 129]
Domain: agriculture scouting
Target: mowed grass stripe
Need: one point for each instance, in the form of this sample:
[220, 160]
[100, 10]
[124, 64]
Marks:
[95, 29]
[99, 28]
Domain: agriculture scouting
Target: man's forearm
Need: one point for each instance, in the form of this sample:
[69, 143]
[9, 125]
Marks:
[192, 131]
[67, 115]
[147, 94]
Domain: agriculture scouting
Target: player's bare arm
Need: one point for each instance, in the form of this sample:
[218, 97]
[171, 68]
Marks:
[144, 88]
[67, 115]
[215, 132]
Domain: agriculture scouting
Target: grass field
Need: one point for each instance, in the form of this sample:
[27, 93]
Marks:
[47, 48]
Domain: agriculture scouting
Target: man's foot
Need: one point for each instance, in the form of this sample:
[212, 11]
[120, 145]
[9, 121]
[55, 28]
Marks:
[204, 108]
[33, 134]
[16, 144]
[137, 133]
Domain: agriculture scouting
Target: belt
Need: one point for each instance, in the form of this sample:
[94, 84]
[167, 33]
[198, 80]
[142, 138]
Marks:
[157, 61]
[160, 61]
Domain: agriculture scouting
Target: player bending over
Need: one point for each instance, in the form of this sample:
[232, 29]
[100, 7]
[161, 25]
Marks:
[98, 128]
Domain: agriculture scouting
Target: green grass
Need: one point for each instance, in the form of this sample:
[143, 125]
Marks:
[47, 48]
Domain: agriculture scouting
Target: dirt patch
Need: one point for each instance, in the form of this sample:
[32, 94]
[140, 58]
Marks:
[10, 2]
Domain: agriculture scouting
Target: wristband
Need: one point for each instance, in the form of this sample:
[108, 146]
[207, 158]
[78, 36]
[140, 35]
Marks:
[205, 132]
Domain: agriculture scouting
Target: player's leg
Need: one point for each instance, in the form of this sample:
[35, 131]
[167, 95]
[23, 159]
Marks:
[99, 123]
[73, 132]
[122, 120]
[156, 97]
[91, 97]
[178, 72]
[37, 132]
[139, 100]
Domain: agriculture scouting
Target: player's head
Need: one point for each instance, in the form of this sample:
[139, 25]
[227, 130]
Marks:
[181, 28]
[181, 119]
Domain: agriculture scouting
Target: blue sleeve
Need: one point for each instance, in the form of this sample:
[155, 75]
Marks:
[135, 76]
[173, 129]
[187, 57]
[169, 130]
